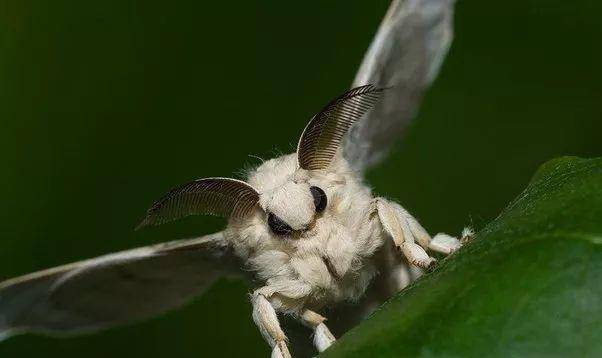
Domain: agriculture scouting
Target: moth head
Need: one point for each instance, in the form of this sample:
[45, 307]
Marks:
[294, 207]
[291, 200]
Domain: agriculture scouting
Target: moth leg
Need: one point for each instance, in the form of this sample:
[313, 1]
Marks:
[322, 336]
[266, 320]
[394, 220]
[442, 243]
[446, 244]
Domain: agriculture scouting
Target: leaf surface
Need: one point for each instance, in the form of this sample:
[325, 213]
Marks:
[529, 284]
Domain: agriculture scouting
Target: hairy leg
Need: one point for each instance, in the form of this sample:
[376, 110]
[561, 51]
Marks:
[322, 336]
[446, 244]
[442, 243]
[394, 220]
[406, 231]
[266, 320]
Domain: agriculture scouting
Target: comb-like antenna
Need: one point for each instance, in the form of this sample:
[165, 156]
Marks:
[210, 196]
[322, 135]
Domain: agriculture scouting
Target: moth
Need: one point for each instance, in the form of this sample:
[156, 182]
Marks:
[304, 226]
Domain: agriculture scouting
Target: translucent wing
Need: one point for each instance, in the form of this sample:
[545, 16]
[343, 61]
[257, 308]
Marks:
[114, 289]
[405, 56]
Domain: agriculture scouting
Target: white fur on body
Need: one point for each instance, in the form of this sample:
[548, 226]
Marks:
[331, 256]
[328, 262]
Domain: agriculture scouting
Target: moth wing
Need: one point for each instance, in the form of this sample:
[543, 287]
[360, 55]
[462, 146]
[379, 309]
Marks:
[114, 289]
[405, 56]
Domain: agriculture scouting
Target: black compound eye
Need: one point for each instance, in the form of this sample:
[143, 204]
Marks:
[319, 198]
[278, 226]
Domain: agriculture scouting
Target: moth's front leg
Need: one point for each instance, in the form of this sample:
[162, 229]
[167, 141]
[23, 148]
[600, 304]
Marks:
[266, 320]
[442, 243]
[409, 236]
[394, 221]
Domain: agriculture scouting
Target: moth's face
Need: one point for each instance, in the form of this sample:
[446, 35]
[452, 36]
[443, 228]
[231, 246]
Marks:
[292, 200]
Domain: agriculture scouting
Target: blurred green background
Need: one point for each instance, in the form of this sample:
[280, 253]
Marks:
[105, 105]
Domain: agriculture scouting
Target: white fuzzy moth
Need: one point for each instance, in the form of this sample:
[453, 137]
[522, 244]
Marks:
[304, 225]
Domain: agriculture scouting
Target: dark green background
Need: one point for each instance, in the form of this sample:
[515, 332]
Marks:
[104, 105]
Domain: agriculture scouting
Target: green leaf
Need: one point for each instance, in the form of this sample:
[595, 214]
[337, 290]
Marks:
[529, 284]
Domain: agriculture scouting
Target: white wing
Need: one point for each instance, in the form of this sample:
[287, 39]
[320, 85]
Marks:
[114, 289]
[405, 55]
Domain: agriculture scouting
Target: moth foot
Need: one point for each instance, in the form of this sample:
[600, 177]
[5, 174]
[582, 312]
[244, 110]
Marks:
[416, 255]
[425, 264]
